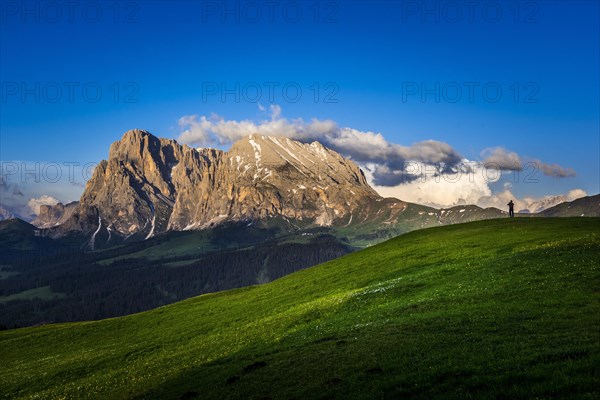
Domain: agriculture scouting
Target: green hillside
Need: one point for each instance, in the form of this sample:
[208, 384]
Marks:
[498, 309]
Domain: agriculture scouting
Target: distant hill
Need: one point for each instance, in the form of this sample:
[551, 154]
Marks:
[487, 310]
[12, 226]
[6, 213]
[20, 241]
[584, 207]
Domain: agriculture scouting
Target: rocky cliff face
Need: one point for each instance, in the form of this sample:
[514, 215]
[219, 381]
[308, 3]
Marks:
[149, 185]
[263, 177]
[50, 216]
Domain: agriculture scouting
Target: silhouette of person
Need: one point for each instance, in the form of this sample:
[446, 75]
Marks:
[511, 209]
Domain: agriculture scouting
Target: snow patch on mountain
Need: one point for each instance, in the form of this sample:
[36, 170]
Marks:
[257, 150]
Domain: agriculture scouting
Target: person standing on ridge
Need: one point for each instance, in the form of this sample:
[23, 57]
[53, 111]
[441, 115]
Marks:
[511, 209]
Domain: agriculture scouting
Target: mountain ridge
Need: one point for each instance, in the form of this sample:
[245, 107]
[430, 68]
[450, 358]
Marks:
[588, 206]
[150, 185]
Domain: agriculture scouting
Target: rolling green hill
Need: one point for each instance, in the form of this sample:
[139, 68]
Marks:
[498, 309]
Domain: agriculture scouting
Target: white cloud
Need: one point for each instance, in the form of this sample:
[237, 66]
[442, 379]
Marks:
[34, 204]
[468, 185]
[575, 194]
[464, 186]
[506, 160]
[275, 111]
[554, 170]
[445, 193]
[502, 159]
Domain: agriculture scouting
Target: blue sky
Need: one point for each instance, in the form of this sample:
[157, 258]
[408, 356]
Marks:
[154, 61]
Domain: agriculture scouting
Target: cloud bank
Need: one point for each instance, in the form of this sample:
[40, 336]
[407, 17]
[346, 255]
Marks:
[505, 160]
[428, 172]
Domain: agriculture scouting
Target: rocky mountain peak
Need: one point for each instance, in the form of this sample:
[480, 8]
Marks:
[303, 161]
[50, 216]
[149, 185]
[133, 145]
